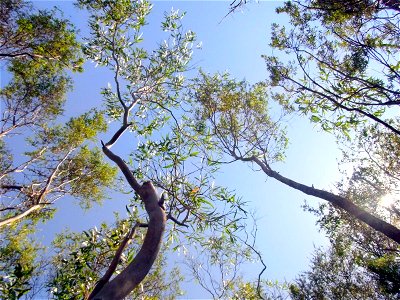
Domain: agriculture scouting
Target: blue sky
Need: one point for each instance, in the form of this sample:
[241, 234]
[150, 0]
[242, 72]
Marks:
[286, 234]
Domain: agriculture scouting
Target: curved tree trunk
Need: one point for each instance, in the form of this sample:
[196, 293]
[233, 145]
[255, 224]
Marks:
[136, 271]
[383, 227]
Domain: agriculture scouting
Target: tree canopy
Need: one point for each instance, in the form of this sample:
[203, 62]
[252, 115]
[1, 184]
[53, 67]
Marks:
[334, 62]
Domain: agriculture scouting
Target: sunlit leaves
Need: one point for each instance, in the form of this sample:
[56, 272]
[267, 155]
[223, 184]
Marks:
[40, 38]
[84, 127]
[89, 175]
[18, 261]
[38, 47]
[367, 255]
[59, 162]
[34, 96]
[177, 163]
[335, 274]
[338, 64]
[239, 118]
[81, 260]
[146, 93]
[146, 81]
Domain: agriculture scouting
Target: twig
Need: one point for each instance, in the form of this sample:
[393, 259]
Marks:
[170, 217]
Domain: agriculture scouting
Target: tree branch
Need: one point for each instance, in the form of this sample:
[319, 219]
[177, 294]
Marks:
[170, 217]
[117, 135]
[114, 263]
[123, 167]
[10, 220]
[383, 227]
[136, 271]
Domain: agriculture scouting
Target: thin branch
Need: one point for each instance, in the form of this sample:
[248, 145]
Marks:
[38, 201]
[258, 253]
[115, 58]
[340, 105]
[170, 217]
[12, 187]
[24, 165]
[114, 263]
[11, 220]
[123, 167]
[52, 176]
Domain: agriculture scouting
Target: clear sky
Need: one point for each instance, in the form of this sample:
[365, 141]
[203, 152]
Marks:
[286, 234]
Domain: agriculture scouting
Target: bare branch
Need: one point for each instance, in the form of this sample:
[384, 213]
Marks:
[383, 227]
[123, 167]
[117, 135]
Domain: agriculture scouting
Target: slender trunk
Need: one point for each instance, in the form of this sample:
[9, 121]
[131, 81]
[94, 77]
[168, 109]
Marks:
[136, 271]
[383, 227]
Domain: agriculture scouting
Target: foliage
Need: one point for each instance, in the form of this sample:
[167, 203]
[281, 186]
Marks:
[334, 51]
[215, 264]
[81, 259]
[330, 74]
[66, 164]
[374, 154]
[239, 117]
[335, 274]
[18, 261]
[368, 260]
[342, 68]
[38, 38]
[146, 99]
[343, 73]
[40, 160]
[38, 48]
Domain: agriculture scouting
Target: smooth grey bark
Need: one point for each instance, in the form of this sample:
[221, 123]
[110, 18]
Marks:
[120, 286]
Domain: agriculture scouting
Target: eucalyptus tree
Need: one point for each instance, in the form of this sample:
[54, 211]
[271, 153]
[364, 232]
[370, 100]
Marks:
[238, 115]
[335, 274]
[168, 175]
[370, 255]
[37, 49]
[343, 72]
[339, 66]
[342, 65]
[41, 159]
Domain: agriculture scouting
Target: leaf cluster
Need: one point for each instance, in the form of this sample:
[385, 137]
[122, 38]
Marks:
[18, 261]
[341, 66]
[238, 117]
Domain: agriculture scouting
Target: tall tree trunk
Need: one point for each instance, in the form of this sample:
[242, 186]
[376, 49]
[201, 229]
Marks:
[136, 271]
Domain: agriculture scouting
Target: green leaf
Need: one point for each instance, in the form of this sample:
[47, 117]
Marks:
[315, 119]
